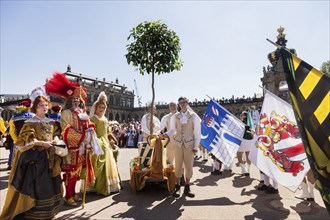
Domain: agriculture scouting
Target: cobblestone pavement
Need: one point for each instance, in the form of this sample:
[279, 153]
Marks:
[226, 196]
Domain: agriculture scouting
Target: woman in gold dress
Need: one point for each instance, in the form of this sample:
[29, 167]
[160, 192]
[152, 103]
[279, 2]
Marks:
[34, 189]
[105, 168]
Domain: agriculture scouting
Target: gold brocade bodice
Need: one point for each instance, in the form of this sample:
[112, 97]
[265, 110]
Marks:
[40, 129]
[37, 129]
[45, 131]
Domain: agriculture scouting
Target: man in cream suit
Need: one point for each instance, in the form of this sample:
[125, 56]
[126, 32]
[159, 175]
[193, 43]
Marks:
[185, 128]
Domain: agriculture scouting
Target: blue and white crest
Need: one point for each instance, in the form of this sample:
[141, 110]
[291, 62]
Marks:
[221, 132]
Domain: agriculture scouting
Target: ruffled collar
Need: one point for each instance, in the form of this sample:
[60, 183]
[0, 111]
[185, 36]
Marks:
[82, 115]
[39, 119]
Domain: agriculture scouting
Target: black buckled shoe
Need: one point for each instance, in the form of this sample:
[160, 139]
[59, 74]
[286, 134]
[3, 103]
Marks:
[216, 172]
[271, 190]
[188, 192]
[262, 187]
[182, 181]
[176, 192]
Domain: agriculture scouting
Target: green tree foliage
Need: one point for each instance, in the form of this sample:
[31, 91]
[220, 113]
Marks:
[325, 68]
[155, 50]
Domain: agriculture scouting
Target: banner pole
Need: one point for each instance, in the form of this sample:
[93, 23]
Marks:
[275, 44]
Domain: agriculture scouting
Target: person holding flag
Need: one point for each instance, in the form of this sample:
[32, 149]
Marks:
[309, 91]
[221, 135]
[307, 187]
[245, 146]
[216, 165]
[279, 152]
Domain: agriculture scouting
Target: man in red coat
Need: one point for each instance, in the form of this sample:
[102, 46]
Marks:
[77, 134]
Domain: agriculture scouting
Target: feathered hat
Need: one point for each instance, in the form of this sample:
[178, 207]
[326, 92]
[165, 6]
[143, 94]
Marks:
[56, 108]
[102, 98]
[39, 91]
[23, 105]
[59, 85]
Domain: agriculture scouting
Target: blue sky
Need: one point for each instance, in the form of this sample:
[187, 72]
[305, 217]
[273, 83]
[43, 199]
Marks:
[224, 45]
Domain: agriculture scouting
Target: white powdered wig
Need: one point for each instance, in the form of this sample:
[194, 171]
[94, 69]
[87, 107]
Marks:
[102, 98]
[39, 91]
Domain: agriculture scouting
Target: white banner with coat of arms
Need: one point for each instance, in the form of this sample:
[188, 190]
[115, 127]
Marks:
[279, 151]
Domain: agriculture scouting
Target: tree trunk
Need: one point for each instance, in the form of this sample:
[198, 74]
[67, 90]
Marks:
[152, 101]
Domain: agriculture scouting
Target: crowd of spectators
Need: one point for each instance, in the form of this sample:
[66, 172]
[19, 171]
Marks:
[127, 134]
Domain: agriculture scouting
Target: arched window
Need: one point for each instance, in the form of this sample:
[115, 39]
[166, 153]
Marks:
[117, 99]
[111, 100]
[129, 103]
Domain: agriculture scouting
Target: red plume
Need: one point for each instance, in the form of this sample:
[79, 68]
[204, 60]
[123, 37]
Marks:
[26, 103]
[60, 85]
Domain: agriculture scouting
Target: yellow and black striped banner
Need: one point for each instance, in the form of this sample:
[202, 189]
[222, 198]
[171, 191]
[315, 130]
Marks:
[310, 95]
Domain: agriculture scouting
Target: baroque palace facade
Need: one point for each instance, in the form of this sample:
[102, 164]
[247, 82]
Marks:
[121, 100]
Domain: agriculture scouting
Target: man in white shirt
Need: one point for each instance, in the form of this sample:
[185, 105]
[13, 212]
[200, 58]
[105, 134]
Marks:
[165, 123]
[146, 123]
[185, 127]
